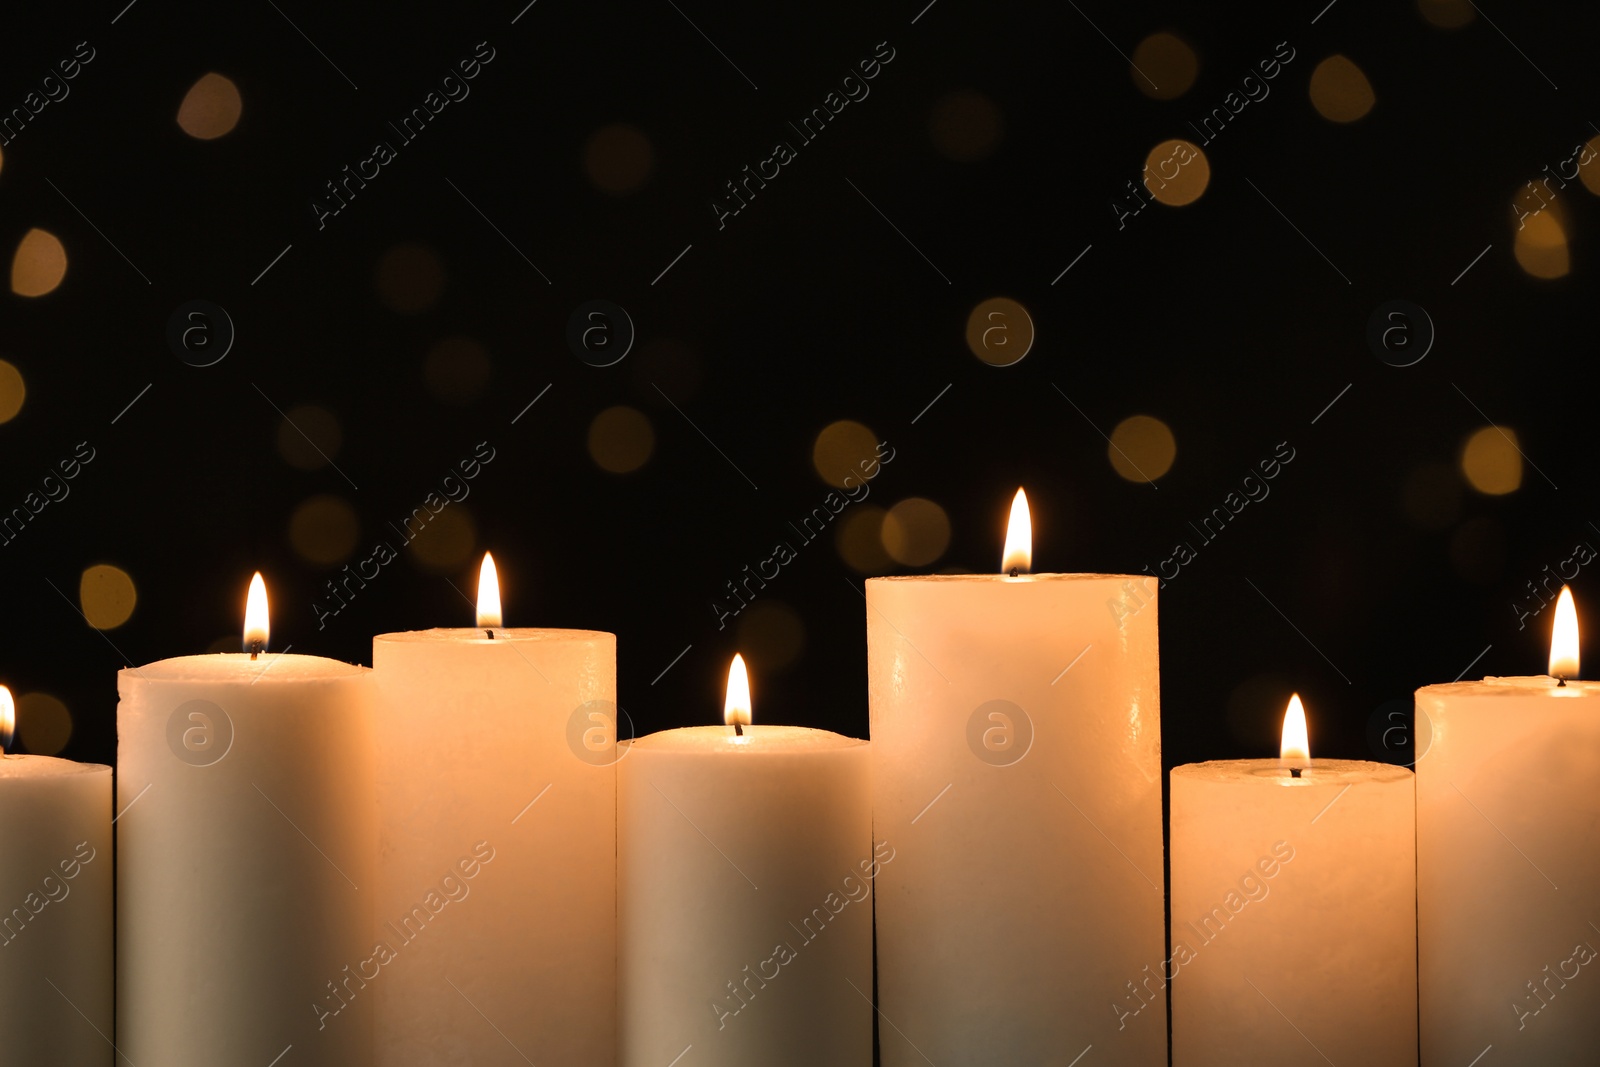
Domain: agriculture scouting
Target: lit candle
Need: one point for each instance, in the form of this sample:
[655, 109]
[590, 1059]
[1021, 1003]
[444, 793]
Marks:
[1016, 745]
[497, 874]
[1294, 911]
[246, 845]
[746, 868]
[55, 905]
[1508, 875]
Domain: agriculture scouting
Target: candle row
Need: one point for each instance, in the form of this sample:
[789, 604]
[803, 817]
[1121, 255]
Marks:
[450, 858]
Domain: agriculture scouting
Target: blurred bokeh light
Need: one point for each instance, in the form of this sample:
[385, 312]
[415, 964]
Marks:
[1340, 90]
[966, 126]
[840, 450]
[1177, 172]
[13, 391]
[409, 279]
[916, 532]
[44, 725]
[618, 158]
[210, 108]
[456, 370]
[621, 439]
[324, 529]
[309, 437]
[39, 265]
[771, 635]
[106, 595]
[1491, 460]
[1142, 448]
[1166, 60]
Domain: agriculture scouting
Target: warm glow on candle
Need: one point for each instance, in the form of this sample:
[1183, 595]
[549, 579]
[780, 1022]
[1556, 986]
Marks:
[8, 719]
[255, 616]
[488, 594]
[1564, 638]
[736, 707]
[1018, 556]
[1295, 750]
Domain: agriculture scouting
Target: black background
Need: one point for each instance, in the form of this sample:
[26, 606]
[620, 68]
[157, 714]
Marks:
[1218, 318]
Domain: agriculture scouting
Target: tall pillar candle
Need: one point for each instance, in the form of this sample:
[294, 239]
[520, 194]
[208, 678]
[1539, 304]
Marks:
[55, 907]
[245, 854]
[1508, 872]
[1294, 913]
[1016, 744]
[746, 871]
[497, 872]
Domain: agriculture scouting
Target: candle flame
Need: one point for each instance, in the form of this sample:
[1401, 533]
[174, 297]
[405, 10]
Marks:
[8, 719]
[1018, 555]
[1295, 750]
[256, 626]
[488, 594]
[736, 707]
[1564, 638]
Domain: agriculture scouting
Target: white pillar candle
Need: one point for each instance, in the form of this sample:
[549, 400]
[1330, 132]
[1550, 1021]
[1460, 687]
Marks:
[1294, 912]
[497, 870]
[1016, 744]
[746, 870]
[246, 846]
[1508, 872]
[55, 907]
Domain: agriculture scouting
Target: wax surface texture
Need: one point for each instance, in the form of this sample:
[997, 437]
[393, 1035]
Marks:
[1293, 915]
[245, 858]
[497, 870]
[745, 898]
[55, 926]
[1508, 875]
[1016, 742]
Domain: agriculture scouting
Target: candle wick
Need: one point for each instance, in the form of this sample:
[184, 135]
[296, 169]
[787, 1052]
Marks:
[1294, 772]
[255, 649]
[1560, 681]
[489, 632]
[738, 729]
[1014, 571]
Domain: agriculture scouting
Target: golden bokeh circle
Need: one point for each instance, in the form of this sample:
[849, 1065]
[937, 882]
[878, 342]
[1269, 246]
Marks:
[844, 450]
[409, 279]
[1164, 66]
[44, 724]
[447, 542]
[1000, 331]
[39, 265]
[309, 437]
[1540, 246]
[618, 158]
[858, 537]
[1447, 14]
[13, 391]
[916, 532]
[456, 370]
[1340, 90]
[1142, 448]
[965, 126]
[1589, 169]
[210, 108]
[1177, 172]
[324, 529]
[1491, 461]
[106, 596]
[621, 439]
[771, 635]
